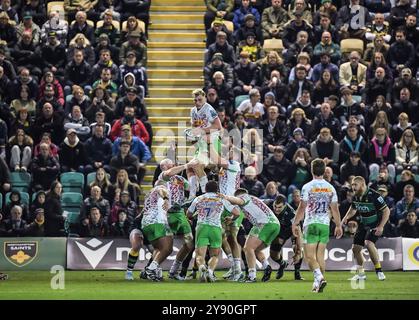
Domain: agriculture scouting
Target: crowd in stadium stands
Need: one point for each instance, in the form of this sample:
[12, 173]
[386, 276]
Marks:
[72, 100]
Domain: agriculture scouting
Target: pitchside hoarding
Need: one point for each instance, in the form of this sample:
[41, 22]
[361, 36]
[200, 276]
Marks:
[32, 253]
[410, 254]
[111, 254]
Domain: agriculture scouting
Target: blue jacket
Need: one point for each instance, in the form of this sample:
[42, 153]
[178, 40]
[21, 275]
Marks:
[402, 209]
[240, 13]
[138, 148]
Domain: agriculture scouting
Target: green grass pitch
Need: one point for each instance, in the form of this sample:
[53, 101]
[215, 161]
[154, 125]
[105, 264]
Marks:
[87, 285]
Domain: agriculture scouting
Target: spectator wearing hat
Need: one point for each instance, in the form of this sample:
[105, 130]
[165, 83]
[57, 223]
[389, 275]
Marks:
[352, 74]
[327, 45]
[72, 7]
[275, 131]
[54, 23]
[7, 31]
[37, 9]
[132, 98]
[278, 168]
[76, 121]
[273, 20]
[245, 73]
[81, 26]
[45, 168]
[352, 142]
[269, 100]
[249, 25]
[301, 45]
[240, 14]
[134, 44]
[120, 228]
[252, 46]
[221, 46]
[72, 153]
[218, 64]
[353, 167]
[401, 53]
[327, 148]
[28, 25]
[53, 56]
[251, 183]
[109, 29]
[294, 26]
[139, 73]
[126, 205]
[36, 228]
[296, 141]
[324, 21]
[218, 9]
[216, 26]
[98, 150]
[137, 127]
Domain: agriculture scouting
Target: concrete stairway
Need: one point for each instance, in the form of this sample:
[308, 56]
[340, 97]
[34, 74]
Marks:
[175, 63]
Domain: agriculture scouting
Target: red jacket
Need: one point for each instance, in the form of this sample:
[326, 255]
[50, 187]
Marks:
[137, 129]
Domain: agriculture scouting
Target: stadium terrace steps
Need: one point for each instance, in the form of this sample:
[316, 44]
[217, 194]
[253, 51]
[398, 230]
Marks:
[175, 65]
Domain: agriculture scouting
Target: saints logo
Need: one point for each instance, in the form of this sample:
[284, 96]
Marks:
[20, 253]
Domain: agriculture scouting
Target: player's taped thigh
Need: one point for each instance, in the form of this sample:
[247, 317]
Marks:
[188, 239]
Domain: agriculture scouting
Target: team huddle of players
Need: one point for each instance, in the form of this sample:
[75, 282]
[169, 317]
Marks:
[216, 217]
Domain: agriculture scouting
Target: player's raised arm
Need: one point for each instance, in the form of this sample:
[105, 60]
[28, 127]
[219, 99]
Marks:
[299, 217]
[178, 169]
[233, 200]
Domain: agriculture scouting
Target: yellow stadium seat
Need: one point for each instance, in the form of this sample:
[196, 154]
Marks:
[141, 26]
[56, 6]
[229, 25]
[273, 44]
[115, 24]
[349, 45]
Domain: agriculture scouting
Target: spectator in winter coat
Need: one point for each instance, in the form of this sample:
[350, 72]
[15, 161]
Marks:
[98, 151]
[44, 168]
[72, 153]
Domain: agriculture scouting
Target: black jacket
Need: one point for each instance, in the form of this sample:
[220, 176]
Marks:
[129, 163]
[98, 149]
[78, 74]
[348, 170]
[72, 157]
[54, 220]
[281, 171]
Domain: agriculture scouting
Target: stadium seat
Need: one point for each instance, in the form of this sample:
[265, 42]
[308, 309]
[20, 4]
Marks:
[273, 45]
[20, 181]
[229, 25]
[398, 178]
[90, 178]
[24, 198]
[240, 99]
[71, 201]
[73, 217]
[1, 202]
[141, 26]
[72, 181]
[56, 6]
[115, 24]
[349, 45]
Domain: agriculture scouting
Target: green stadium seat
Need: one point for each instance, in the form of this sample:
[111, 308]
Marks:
[24, 196]
[90, 178]
[20, 181]
[240, 99]
[71, 199]
[398, 178]
[73, 217]
[72, 181]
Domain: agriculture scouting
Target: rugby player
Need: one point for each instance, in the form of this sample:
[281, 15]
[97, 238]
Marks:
[286, 215]
[265, 229]
[178, 222]
[316, 198]
[206, 125]
[156, 227]
[374, 214]
[210, 207]
[229, 182]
